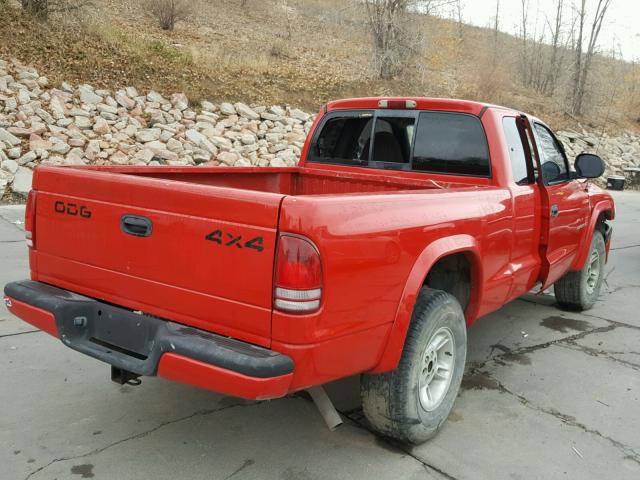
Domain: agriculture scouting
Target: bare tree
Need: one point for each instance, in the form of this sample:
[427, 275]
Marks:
[432, 7]
[583, 60]
[524, 37]
[386, 18]
[393, 41]
[496, 25]
[459, 19]
[287, 13]
[551, 77]
[168, 12]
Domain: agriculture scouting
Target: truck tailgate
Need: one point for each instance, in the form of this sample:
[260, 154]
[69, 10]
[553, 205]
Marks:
[207, 260]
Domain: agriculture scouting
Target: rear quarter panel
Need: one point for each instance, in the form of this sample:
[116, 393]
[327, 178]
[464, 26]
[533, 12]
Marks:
[369, 246]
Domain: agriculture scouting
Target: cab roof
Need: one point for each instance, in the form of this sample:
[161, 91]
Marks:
[421, 103]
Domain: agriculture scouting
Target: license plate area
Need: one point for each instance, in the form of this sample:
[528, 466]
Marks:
[123, 331]
[112, 330]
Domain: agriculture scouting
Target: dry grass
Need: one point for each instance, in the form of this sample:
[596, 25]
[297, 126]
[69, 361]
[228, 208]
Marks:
[298, 52]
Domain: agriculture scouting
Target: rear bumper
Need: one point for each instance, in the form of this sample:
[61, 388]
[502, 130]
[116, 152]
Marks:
[148, 345]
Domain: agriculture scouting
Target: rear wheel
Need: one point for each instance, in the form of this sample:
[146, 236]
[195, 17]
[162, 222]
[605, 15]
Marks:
[580, 290]
[412, 402]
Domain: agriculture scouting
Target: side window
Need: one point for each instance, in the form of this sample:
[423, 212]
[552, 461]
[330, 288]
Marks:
[451, 143]
[393, 139]
[517, 153]
[553, 162]
[344, 139]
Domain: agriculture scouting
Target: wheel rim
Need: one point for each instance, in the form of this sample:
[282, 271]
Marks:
[436, 371]
[593, 271]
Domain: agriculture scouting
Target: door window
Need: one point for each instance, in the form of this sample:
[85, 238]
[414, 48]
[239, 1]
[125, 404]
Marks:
[520, 165]
[552, 159]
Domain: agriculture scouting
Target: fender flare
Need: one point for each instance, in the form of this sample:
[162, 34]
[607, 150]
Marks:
[603, 206]
[425, 261]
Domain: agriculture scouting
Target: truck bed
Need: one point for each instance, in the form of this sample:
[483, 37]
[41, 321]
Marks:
[209, 260]
[286, 181]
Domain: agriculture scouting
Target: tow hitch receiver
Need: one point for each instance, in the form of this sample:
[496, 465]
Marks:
[124, 377]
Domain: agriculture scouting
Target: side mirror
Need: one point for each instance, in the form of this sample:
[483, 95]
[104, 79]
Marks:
[589, 166]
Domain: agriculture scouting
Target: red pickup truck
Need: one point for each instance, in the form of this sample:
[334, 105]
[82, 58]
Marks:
[407, 219]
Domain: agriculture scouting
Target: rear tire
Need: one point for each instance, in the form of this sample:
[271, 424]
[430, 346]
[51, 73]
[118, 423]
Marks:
[580, 290]
[412, 402]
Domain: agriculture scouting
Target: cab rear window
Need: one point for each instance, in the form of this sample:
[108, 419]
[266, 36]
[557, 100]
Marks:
[437, 142]
[451, 143]
[344, 139]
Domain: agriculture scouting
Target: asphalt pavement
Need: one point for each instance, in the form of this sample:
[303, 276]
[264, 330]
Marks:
[548, 394]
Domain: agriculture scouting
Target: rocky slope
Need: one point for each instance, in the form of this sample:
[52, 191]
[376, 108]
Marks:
[619, 152]
[81, 125]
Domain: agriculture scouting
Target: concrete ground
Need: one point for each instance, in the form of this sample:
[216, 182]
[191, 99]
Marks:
[549, 394]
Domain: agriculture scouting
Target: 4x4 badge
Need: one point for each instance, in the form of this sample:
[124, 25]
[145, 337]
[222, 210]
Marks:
[230, 239]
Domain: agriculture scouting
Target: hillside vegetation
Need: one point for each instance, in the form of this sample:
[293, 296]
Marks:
[297, 52]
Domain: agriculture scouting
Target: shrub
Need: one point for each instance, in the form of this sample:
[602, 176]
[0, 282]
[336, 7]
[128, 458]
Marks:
[168, 12]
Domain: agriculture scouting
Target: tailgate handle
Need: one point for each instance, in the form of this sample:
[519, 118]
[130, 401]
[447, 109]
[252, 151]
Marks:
[136, 226]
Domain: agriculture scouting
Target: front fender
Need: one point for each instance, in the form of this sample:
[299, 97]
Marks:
[603, 205]
[425, 261]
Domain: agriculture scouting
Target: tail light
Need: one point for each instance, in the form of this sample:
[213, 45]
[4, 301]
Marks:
[298, 276]
[30, 219]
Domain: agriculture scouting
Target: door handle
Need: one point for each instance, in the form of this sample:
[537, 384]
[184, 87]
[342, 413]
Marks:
[136, 225]
[554, 210]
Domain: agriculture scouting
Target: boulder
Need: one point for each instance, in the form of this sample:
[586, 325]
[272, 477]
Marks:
[82, 122]
[23, 97]
[101, 127]
[228, 158]
[155, 97]
[248, 139]
[27, 157]
[5, 178]
[60, 148]
[8, 137]
[246, 112]
[194, 136]
[180, 101]
[277, 110]
[227, 109]
[10, 166]
[14, 152]
[299, 115]
[124, 101]
[22, 180]
[88, 96]
[148, 135]
[277, 162]
[57, 107]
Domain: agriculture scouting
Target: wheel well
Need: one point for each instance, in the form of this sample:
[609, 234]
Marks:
[452, 274]
[601, 224]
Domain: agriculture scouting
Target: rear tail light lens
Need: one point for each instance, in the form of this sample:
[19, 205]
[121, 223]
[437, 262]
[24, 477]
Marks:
[30, 219]
[298, 276]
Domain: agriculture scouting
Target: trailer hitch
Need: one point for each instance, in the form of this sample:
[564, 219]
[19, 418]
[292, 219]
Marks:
[124, 377]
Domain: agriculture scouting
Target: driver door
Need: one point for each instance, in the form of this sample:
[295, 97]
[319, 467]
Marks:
[565, 206]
